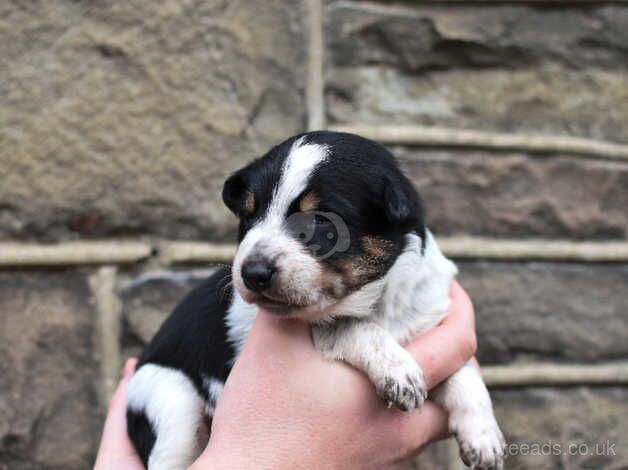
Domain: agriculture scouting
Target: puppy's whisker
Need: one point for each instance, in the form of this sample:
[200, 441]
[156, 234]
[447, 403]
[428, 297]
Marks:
[227, 283]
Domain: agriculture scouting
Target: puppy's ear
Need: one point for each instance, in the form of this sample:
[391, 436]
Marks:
[234, 193]
[402, 205]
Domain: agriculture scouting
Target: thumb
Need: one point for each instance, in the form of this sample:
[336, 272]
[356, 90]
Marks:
[274, 331]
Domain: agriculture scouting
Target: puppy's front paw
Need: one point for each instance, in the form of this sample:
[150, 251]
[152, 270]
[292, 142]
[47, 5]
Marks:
[481, 442]
[403, 386]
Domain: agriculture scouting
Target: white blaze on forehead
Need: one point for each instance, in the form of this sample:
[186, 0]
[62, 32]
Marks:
[295, 174]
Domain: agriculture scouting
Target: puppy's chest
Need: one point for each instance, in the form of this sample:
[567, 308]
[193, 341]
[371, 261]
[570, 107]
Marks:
[415, 297]
[412, 308]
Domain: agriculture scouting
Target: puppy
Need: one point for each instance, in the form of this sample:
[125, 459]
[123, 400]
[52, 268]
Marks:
[330, 232]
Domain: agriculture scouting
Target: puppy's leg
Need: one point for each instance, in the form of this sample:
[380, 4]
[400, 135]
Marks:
[365, 345]
[175, 412]
[471, 418]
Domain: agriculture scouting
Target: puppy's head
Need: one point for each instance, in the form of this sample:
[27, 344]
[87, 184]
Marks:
[321, 215]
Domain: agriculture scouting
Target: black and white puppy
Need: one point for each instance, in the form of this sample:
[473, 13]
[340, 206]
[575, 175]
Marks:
[331, 232]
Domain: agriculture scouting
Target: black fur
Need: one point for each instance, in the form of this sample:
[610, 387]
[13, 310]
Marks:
[193, 338]
[141, 433]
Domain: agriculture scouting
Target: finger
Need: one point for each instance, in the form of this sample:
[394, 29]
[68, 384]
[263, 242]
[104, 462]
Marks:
[425, 426]
[271, 331]
[114, 438]
[444, 349]
[413, 431]
[119, 396]
[460, 310]
[129, 367]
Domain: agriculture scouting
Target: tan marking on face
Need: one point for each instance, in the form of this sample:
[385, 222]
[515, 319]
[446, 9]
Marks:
[345, 276]
[376, 247]
[309, 202]
[342, 276]
[331, 283]
[249, 203]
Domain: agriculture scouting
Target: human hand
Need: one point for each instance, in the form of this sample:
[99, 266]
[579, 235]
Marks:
[116, 451]
[284, 406]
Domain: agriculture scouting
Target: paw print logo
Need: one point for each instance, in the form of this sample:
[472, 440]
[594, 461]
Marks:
[324, 233]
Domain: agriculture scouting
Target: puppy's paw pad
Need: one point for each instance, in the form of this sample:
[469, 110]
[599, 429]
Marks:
[482, 444]
[403, 387]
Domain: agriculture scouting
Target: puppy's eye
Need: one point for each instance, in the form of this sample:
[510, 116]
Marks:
[321, 220]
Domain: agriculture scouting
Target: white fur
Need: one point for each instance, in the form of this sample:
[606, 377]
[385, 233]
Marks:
[361, 303]
[214, 388]
[471, 418]
[239, 321]
[416, 296]
[295, 174]
[297, 269]
[174, 408]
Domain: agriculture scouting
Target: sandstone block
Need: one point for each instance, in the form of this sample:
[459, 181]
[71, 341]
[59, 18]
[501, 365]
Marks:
[50, 416]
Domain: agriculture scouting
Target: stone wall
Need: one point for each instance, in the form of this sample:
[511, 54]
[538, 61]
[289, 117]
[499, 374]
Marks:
[119, 121]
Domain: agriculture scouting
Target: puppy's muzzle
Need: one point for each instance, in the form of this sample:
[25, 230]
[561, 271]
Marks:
[258, 275]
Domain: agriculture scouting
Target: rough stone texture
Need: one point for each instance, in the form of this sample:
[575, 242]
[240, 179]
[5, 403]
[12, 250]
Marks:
[563, 420]
[125, 117]
[548, 311]
[513, 195]
[513, 68]
[148, 300]
[49, 411]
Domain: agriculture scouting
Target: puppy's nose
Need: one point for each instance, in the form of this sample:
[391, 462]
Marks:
[257, 275]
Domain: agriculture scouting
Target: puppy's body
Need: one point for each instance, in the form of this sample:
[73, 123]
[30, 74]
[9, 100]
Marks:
[376, 282]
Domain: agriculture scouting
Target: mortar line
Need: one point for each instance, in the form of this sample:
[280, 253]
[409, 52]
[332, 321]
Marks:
[73, 253]
[548, 374]
[445, 137]
[166, 252]
[315, 52]
[108, 329]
